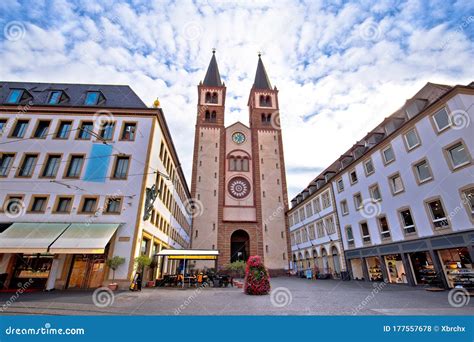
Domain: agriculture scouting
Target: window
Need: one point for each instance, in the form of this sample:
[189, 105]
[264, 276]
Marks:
[353, 176]
[326, 200]
[28, 165]
[384, 229]
[92, 98]
[344, 207]
[20, 129]
[320, 228]
[89, 205]
[75, 166]
[411, 139]
[245, 164]
[128, 131]
[38, 204]
[375, 193]
[438, 216]
[317, 205]
[441, 119]
[458, 155]
[265, 101]
[63, 204]
[350, 236]
[121, 168]
[468, 200]
[358, 201]
[107, 130]
[85, 130]
[369, 167]
[396, 184]
[6, 161]
[309, 210]
[3, 124]
[55, 97]
[64, 128]
[407, 221]
[41, 129]
[388, 155]
[113, 205]
[51, 166]
[423, 172]
[15, 96]
[340, 185]
[364, 228]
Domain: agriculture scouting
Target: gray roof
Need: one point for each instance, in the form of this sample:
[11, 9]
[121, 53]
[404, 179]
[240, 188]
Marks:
[213, 78]
[114, 96]
[261, 77]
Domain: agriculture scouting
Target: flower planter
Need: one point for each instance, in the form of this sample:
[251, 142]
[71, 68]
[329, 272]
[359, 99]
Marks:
[150, 283]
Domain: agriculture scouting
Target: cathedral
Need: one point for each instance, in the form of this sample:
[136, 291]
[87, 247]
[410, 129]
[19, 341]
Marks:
[238, 177]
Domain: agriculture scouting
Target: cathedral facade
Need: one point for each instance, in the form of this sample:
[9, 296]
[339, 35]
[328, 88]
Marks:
[238, 179]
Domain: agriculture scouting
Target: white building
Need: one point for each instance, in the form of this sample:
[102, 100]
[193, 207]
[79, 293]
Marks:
[404, 193]
[78, 166]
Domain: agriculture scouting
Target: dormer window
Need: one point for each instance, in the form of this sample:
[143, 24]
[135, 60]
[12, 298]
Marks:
[55, 97]
[93, 98]
[15, 96]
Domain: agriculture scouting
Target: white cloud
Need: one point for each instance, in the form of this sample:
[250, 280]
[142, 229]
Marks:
[342, 67]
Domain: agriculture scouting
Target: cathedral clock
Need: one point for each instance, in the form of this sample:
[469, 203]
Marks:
[238, 138]
[239, 187]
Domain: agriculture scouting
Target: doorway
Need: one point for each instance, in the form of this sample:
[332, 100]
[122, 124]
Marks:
[87, 271]
[239, 246]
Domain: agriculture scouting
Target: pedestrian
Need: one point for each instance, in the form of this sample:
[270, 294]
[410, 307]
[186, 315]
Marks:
[139, 281]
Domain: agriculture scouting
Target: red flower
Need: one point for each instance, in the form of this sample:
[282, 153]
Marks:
[257, 280]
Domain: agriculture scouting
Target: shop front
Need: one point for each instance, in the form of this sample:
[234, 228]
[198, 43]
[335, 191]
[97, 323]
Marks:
[395, 269]
[424, 269]
[375, 269]
[458, 267]
[357, 269]
[31, 268]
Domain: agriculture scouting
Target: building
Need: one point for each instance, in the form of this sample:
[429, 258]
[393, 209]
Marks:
[238, 178]
[315, 237]
[404, 193]
[87, 172]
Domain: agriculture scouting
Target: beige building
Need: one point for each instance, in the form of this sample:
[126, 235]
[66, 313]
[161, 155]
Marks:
[238, 180]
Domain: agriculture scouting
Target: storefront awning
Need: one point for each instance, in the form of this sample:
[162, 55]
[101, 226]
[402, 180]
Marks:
[83, 238]
[30, 237]
[190, 254]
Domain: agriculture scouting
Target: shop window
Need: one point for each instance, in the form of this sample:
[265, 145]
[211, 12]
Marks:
[51, 167]
[369, 167]
[384, 228]
[28, 165]
[20, 129]
[423, 269]
[128, 131]
[407, 221]
[423, 172]
[353, 176]
[63, 205]
[74, 167]
[364, 228]
[438, 215]
[458, 267]
[411, 139]
[85, 130]
[35, 267]
[388, 155]
[375, 271]
[395, 269]
[396, 184]
[63, 130]
[441, 119]
[6, 162]
[41, 129]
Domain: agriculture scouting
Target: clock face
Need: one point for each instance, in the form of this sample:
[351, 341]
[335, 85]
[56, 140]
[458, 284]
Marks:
[238, 137]
[239, 187]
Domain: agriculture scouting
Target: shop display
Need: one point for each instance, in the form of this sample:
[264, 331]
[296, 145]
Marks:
[424, 271]
[375, 272]
[35, 267]
[458, 267]
[395, 269]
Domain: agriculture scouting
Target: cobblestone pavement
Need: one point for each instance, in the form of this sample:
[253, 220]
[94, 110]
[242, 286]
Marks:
[290, 296]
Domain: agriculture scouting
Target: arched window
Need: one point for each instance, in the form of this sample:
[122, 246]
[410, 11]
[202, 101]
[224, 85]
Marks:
[245, 164]
[208, 116]
[213, 116]
[262, 101]
[264, 118]
[268, 101]
[214, 98]
[208, 97]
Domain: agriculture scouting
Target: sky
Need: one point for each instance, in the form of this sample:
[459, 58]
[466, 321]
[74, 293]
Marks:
[340, 67]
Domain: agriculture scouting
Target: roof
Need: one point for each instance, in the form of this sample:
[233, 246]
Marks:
[113, 96]
[261, 77]
[213, 78]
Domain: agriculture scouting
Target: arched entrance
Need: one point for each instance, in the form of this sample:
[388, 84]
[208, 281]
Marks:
[239, 246]
[325, 261]
[335, 259]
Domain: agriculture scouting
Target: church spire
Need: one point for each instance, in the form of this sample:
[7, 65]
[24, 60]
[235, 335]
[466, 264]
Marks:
[213, 78]
[261, 77]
